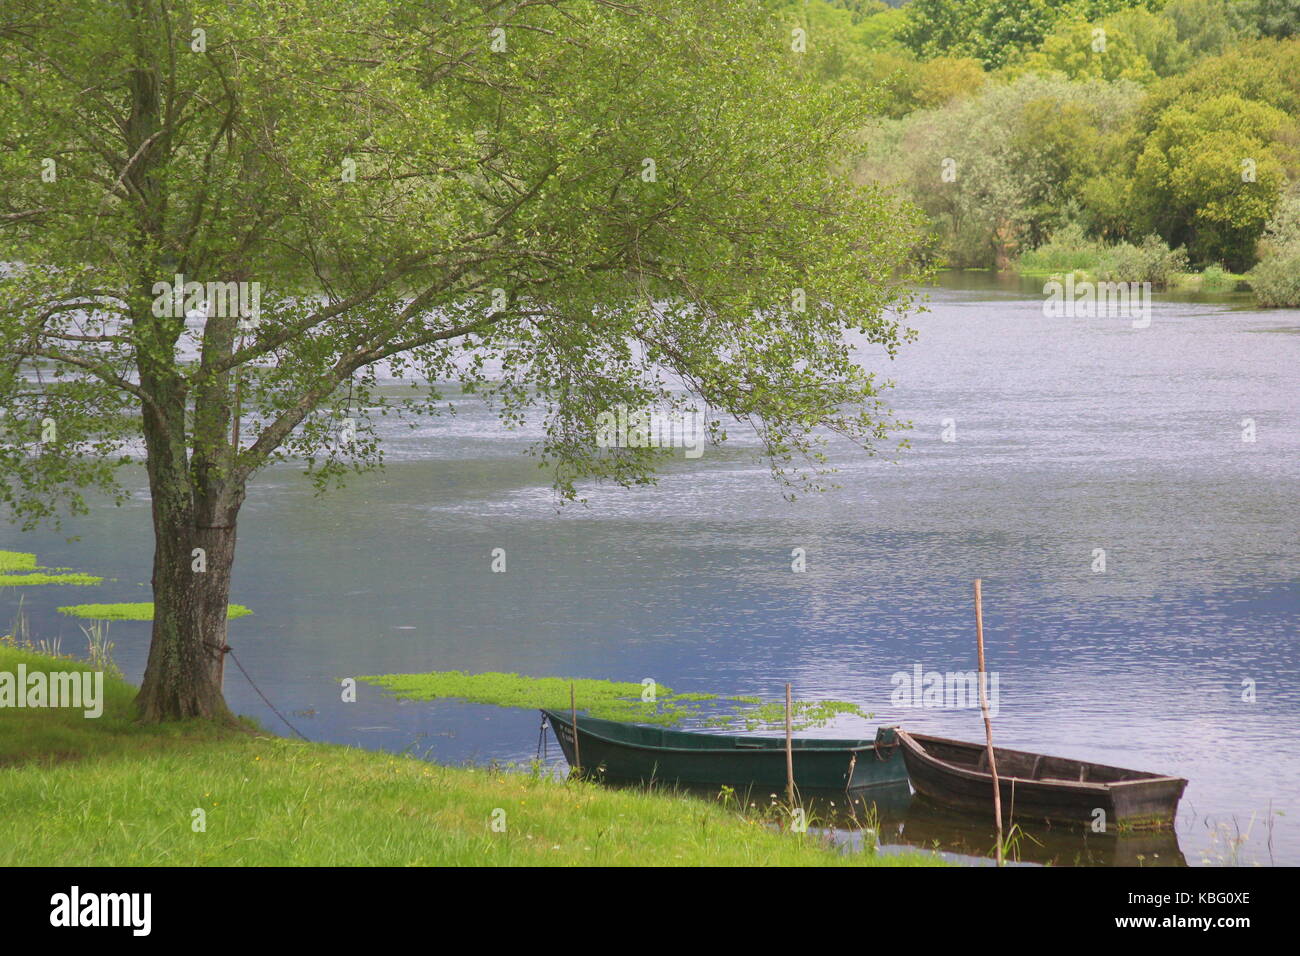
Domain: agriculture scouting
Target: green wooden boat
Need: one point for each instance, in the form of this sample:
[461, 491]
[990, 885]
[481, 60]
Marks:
[634, 753]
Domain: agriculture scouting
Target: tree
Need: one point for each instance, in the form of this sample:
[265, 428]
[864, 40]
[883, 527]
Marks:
[1273, 18]
[224, 221]
[1004, 27]
[1155, 37]
[1208, 177]
[1098, 51]
[945, 79]
[996, 31]
[1061, 142]
[1265, 70]
[1208, 27]
[937, 27]
[995, 171]
[903, 84]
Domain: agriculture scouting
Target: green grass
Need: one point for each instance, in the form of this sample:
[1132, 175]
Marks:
[110, 792]
[140, 611]
[49, 736]
[610, 700]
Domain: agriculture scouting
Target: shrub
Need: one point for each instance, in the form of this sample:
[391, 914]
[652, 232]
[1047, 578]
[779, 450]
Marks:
[1276, 280]
[1069, 250]
[1284, 228]
[1152, 261]
[1216, 278]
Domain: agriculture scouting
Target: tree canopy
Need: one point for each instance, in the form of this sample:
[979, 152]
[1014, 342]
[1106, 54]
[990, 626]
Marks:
[1166, 165]
[565, 206]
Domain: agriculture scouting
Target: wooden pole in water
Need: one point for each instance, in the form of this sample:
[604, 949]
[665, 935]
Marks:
[573, 714]
[988, 727]
[789, 748]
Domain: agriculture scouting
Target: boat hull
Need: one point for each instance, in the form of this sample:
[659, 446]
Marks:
[1116, 798]
[635, 754]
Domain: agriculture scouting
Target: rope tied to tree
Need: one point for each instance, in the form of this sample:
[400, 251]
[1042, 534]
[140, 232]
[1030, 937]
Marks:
[227, 649]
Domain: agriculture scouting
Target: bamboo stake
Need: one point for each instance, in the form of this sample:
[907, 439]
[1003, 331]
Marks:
[789, 749]
[573, 714]
[988, 727]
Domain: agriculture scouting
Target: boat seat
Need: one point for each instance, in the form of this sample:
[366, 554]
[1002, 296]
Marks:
[1082, 778]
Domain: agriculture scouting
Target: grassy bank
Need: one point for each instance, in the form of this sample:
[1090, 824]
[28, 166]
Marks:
[1211, 280]
[1178, 282]
[109, 792]
[1070, 252]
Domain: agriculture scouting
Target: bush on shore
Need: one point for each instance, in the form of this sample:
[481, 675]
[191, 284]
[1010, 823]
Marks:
[1070, 250]
[1150, 261]
[1276, 280]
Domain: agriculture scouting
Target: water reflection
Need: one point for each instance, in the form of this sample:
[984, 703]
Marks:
[925, 825]
[893, 818]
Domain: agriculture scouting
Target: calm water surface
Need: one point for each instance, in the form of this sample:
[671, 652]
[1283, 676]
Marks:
[1071, 435]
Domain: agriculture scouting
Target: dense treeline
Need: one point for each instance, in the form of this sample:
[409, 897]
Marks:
[1139, 136]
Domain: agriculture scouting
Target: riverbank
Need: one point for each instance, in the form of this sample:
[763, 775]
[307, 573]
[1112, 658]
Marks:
[1210, 280]
[110, 792]
[1070, 252]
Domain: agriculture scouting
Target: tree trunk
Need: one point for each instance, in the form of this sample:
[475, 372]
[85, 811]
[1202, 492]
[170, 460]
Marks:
[195, 505]
[1004, 242]
[186, 655]
[194, 553]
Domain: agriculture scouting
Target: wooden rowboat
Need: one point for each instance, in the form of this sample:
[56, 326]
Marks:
[1037, 787]
[638, 754]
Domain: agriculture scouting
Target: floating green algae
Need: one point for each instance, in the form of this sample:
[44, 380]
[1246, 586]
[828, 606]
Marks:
[35, 580]
[141, 611]
[33, 575]
[610, 700]
[805, 713]
[17, 561]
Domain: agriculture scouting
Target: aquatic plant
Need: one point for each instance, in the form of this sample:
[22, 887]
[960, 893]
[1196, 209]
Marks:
[19, 628]
[868, 823]
[36, 580]
[1011, 843]
[611, 700]
[141, 611]
[100, 648]
[17, 561]
[25, 563]
[806, 713]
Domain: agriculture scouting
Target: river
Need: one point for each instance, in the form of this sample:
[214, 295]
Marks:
[1068, 436]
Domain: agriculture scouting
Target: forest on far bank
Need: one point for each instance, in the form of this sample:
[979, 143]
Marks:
[1134, 139]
